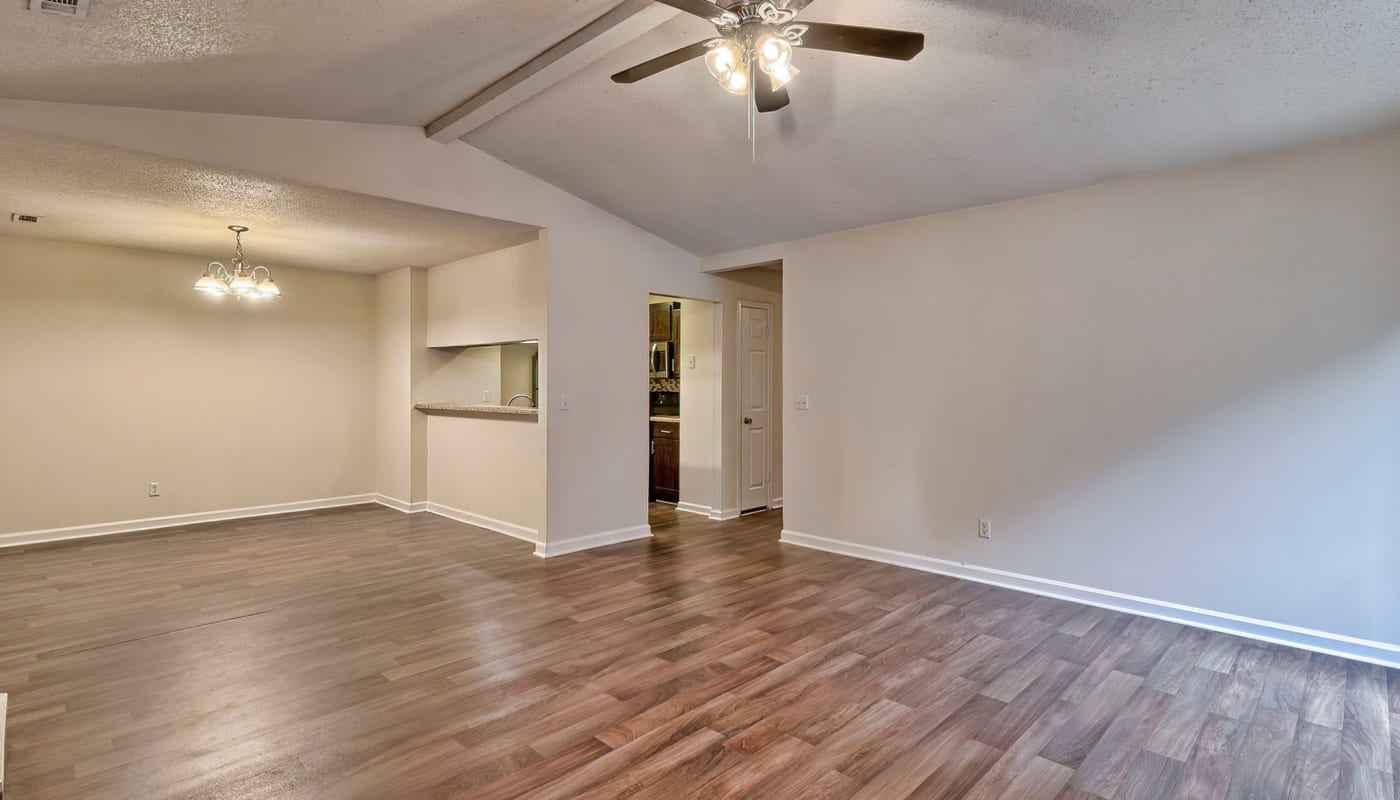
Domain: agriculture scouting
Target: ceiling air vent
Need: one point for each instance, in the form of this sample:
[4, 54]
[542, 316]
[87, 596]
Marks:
[23, 218]
[65, 8]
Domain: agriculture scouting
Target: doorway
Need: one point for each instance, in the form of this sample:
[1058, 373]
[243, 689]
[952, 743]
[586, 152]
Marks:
[755, 406]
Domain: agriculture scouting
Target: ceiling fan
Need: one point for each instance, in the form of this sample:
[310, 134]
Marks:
[755, 46]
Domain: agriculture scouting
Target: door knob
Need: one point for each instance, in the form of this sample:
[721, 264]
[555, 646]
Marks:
[748, 420]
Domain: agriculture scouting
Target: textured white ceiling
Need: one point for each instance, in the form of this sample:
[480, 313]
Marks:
[395, 62]
[1010, 98]
[104, 195]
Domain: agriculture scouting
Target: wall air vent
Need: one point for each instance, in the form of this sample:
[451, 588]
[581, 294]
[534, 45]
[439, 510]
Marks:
[23, 218]
[64, 8]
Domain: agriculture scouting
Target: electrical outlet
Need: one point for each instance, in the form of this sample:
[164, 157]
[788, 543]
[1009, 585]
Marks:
[984, 529]
[803, 402]
[153, 489]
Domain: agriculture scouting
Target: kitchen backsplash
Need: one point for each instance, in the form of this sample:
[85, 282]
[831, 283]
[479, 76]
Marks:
[665, 384]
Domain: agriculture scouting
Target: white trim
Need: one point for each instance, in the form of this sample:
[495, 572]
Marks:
[1382, 653]
[552, 549]
[22, 538]
[694, 508]
[496, 525]
[4, 708]
[776, 502]
[724, 515]
[401, 505]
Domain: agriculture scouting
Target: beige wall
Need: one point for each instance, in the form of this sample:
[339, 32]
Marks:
[600, 268]
[517, 371]
[1184, 387]
[490, 467]
[402, 366]
[116, 374]
[701, 401]
[469, 375]
[493, 297]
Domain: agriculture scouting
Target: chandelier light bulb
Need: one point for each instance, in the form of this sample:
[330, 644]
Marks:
[209, 283]
[243, 280]
[242, 284]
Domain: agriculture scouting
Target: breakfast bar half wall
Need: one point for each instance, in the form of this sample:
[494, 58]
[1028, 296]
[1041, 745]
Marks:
[461, 381]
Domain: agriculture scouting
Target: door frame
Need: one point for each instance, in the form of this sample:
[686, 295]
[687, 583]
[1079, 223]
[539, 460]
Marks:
[739, 404]
[716, 357]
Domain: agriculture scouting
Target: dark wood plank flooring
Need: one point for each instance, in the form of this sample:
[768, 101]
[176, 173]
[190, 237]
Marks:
[365, 653]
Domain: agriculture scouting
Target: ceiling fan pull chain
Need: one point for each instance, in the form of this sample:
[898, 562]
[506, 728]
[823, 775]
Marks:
[752, 100]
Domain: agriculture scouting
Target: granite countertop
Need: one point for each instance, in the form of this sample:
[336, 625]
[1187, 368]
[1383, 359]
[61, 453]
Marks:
[664, 418]
[479, 408]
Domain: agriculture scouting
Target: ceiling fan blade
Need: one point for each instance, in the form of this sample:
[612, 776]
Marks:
[765, 97]
[646, 69]
[878, 42]
[700, 8]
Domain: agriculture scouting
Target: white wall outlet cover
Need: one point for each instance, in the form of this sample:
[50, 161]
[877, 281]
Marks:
[984, 529]
[803, 402]
[153, 489]
[486, 395]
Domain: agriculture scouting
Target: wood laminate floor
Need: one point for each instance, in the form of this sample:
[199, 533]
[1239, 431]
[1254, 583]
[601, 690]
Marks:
[366, 653]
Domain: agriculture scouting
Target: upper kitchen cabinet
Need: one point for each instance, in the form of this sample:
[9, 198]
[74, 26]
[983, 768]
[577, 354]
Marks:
[662, 325]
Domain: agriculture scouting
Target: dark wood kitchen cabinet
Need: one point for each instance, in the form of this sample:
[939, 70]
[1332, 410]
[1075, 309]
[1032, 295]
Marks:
[666, 462]
[661, 322]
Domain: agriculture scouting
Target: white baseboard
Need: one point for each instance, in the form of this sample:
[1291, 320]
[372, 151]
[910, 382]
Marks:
[176, 520]
[776, 502]
[694, 508]
[1382, 653]
[499, 526]
[721, 515]
[552, 549]
[401, 505]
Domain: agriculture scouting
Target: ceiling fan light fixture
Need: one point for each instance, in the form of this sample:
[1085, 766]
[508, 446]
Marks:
[725, 63]
[780, 74]
[737, 83]
[773, 52]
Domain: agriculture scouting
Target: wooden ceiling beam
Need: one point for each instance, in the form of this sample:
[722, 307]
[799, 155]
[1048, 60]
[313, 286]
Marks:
[624, 23]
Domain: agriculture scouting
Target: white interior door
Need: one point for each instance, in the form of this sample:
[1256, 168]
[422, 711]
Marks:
[755, 407]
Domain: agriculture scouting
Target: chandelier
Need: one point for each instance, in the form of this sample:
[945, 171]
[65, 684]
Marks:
[761, 36]
[243, 281]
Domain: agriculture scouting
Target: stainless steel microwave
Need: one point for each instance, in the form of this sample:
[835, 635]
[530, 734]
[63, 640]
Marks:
[663, 359]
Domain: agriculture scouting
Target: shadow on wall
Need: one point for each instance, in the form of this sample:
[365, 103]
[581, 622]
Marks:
[1220, 428]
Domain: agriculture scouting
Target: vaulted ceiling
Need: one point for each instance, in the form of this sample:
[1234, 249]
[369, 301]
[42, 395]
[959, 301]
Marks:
[1010, 97]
